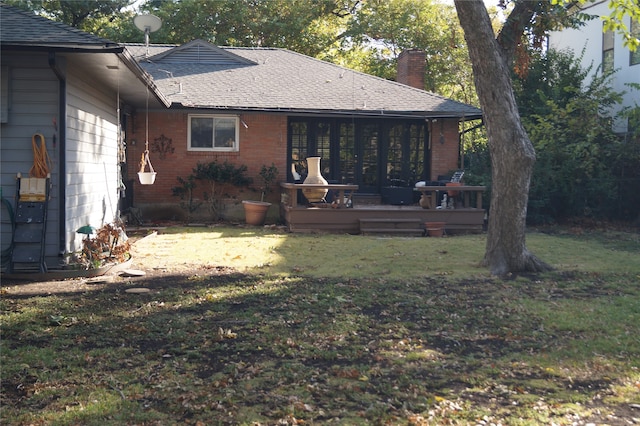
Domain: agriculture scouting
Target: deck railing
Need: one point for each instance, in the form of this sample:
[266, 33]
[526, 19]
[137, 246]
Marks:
[341, 200]
[464, 191]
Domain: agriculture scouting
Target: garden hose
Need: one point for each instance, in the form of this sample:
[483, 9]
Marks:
[41, 160]
[6, 253]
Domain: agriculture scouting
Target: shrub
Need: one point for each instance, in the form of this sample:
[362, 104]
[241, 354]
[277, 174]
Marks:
[217, 178]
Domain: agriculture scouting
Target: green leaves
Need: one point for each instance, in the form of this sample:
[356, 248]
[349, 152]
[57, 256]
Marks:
[216, 176]
[621, 10]
[581, 163]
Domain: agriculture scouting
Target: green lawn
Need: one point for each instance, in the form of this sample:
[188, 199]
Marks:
[252, 326]
[256, 250]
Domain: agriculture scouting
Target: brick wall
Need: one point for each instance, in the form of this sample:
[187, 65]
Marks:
[262, 142]
[445, 143]
[411, 68]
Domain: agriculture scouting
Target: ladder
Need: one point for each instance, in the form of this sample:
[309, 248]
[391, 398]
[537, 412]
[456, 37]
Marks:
[32, 196]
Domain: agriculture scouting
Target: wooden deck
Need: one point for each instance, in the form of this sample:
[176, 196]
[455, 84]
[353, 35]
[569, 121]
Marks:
[369, 218]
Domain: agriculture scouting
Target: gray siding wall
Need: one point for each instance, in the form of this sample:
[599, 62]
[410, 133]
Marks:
[32, 107]
[92, 170]
[92, 157]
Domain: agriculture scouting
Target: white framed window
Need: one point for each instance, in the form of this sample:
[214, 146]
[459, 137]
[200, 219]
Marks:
[213, 133]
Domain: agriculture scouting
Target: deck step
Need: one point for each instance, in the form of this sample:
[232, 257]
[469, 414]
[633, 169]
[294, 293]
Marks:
[391, 226]
[392, 231]
[388, 220]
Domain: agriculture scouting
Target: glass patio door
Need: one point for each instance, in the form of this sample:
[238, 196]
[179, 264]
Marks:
[369, 153]
[368, 167]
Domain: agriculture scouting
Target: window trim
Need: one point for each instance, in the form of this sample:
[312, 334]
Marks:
[234, 148]
[608, 51]
[634, 29]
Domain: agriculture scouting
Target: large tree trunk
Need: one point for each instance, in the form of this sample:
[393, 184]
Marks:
[512, 154]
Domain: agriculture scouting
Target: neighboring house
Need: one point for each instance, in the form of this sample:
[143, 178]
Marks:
[258, 106]
[66, 84]
[603, 51]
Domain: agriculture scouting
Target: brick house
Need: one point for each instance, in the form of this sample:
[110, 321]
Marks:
[263, 106]
[93, 101]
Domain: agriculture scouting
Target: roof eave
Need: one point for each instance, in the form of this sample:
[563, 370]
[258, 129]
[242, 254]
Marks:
[133, 65]
[123, 54]
[57, 47]
[342, 112]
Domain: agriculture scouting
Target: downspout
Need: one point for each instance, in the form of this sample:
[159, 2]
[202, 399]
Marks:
[62, 141]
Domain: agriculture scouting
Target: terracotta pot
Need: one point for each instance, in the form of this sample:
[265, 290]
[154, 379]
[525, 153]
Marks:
[255, 212]
[435, 229]
[453, 193]
[314, 177]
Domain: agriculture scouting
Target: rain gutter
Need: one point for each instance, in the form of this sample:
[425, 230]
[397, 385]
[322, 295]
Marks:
[62, 139]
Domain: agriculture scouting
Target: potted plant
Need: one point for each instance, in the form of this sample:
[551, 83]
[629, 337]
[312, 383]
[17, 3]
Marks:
[146, 178]
[256, 211]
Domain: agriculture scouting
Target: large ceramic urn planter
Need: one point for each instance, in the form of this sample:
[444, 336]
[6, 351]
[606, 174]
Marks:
[314, 176]
[255, 212]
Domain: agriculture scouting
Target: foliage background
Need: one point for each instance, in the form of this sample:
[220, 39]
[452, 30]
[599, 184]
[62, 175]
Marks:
[583, 169]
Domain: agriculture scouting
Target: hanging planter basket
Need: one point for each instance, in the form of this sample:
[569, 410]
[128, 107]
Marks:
[146, 178]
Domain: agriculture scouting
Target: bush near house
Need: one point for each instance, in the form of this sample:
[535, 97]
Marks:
[216, 178]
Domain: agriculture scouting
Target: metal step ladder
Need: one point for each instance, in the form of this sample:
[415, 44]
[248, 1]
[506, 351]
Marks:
[32, 196]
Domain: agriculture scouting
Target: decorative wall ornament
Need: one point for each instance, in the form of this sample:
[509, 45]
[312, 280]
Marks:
[163, 146]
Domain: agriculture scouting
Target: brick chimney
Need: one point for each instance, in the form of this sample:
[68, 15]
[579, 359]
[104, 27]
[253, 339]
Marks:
[411, 68]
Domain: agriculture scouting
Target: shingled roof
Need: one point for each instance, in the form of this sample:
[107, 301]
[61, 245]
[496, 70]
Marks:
[200, 75]
[23, 29]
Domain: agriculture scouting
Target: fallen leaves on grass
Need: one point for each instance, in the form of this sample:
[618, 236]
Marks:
[233, 349]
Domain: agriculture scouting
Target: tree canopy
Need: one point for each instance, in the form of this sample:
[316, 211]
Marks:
[82, 14]
[366, 36]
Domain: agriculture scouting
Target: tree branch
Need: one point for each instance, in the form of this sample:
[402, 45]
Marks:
[518, 20]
